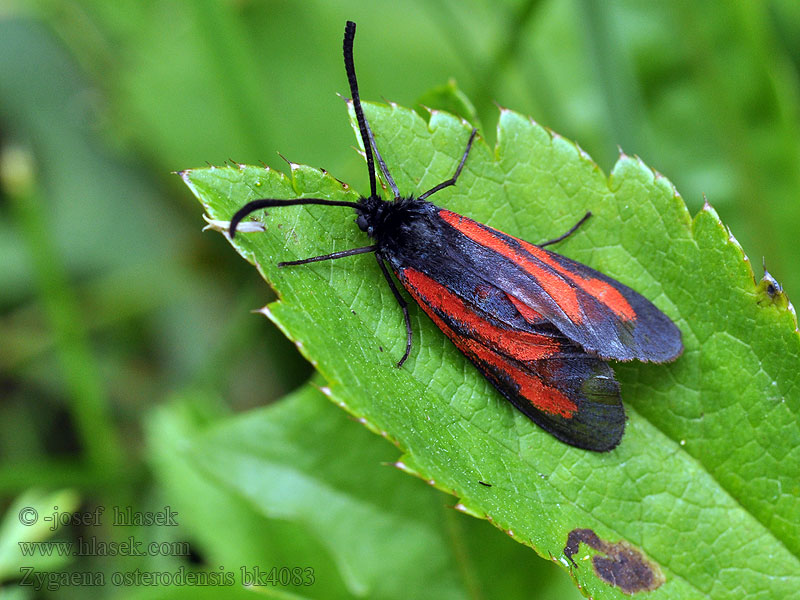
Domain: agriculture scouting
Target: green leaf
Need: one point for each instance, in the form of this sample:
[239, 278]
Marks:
[704, 485]
[228, 533]
[301, 463]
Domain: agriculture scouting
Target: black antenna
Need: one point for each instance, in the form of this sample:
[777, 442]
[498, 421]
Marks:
[347, 48]
[255, 205]
[381, 164]
[366, 136]
[369, 148]
[363, 125]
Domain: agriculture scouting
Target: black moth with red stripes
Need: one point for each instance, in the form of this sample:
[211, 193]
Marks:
[538, 325]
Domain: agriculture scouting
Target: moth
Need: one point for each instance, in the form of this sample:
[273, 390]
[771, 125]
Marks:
[539, 326]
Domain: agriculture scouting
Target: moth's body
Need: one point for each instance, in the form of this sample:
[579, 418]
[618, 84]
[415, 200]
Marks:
[469, 256]
[500, 315]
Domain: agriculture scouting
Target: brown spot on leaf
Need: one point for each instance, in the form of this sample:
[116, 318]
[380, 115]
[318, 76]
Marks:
[623, 565]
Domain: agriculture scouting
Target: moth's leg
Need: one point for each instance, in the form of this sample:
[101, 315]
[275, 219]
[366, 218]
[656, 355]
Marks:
[452, 180]
[569, 233]
[342, 254]
[403, 304]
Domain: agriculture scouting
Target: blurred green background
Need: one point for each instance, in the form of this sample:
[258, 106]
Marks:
[127, 333]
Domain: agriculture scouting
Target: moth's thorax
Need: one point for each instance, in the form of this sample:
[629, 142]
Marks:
[386, 222]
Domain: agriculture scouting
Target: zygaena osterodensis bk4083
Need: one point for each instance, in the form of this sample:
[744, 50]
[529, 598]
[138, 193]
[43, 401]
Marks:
[538, 325]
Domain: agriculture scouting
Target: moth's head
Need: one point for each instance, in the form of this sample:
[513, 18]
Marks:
[369, 209]
[364, 225]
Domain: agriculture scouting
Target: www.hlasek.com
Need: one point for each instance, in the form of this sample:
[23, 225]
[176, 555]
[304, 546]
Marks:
[91, 546]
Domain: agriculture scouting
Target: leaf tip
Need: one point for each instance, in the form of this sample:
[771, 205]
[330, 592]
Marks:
[583, 154]
[403, 466]
[264, 310]
[292, 165]
[732, 240]
[469, 510]
[186, 176]
[224, 226]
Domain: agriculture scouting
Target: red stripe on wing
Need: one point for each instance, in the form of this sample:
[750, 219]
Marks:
[530, 315]
[558, 285]
[521, 345]
[552, 283]
[485, 351]
[604, 292]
